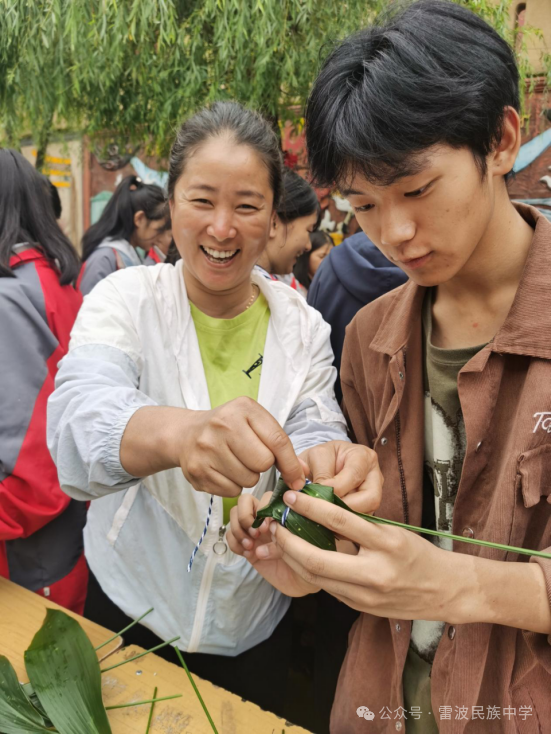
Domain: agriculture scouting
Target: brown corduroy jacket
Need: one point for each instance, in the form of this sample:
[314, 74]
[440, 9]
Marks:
[504, 496]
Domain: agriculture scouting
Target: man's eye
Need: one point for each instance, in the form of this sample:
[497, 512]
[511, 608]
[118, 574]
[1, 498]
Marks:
[248, 206]
[201, 201]
[364, 208]
[417, 192]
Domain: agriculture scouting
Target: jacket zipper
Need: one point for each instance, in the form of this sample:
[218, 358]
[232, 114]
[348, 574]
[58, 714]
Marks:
[204, 592]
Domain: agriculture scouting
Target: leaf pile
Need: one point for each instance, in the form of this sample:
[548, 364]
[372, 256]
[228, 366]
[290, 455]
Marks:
[64, 690]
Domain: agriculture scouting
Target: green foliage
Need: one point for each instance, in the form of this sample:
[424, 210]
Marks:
[131, 70]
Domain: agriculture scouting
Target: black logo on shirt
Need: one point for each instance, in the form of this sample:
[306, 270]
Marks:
[256, 364]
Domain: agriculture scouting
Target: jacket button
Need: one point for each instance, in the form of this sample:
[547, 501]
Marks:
[478, 446]
[398, 725]
[398, 628]
[468, 532]
[384, 441]
[451, 632]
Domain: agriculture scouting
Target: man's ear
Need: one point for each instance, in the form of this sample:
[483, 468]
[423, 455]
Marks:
[140, 219]
[503, 157]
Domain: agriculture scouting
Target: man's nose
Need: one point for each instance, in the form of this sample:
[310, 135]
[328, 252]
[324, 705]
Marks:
[396, 230]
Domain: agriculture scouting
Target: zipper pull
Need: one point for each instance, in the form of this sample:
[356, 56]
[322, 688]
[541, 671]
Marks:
[220, 547]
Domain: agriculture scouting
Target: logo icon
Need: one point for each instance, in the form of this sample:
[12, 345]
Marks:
[366, 713]
[256, 364]
[543, 422]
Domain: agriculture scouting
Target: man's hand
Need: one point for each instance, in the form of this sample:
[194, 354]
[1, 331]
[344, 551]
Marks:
[247, 541]
[397, 574]
[351, 469]
[394, 574]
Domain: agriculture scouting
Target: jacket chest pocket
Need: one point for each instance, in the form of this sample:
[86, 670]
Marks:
[534, 475]
[531, 527]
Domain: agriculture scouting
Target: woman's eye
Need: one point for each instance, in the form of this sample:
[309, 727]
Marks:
[201, 201]
[364, 208]
[248, 207]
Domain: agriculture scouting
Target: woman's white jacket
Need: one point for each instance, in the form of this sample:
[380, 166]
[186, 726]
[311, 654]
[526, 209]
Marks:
[134, 344]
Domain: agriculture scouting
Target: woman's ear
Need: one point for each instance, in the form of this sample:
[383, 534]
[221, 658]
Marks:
[140, 219]
[503, 157]
[273, 226]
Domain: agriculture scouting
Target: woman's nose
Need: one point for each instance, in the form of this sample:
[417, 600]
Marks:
[221, 228]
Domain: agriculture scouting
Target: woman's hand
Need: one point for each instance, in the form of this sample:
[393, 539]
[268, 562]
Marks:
[352, 470]
[256, 545]
[220, 451]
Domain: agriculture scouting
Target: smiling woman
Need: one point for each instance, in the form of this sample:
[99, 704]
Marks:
[184, 386]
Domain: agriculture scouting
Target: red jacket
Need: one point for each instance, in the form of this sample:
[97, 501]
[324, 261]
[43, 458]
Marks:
[41, 544]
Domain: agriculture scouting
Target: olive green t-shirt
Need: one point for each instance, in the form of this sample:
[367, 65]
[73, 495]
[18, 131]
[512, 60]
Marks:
[445, 445]
[232, 353]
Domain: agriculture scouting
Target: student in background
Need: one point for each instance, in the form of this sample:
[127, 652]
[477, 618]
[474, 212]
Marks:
[308, 263]
[159, 251]
[41, 546]
[354, 274]
[134, 217]
[295, 218]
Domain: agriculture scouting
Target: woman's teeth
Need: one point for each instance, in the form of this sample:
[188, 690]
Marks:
[219, 254]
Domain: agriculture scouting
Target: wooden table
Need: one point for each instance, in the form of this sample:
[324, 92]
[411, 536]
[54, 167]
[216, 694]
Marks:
[21, 615]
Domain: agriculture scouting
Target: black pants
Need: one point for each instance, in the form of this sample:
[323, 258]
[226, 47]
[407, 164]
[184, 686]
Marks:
[293, 674]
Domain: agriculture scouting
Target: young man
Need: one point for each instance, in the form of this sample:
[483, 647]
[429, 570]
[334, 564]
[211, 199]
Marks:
[447, 378]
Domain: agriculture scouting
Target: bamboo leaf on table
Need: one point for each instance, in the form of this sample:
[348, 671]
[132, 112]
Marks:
[17, 714]
[64, 672]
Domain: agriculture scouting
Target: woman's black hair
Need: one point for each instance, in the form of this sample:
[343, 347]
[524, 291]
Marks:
[53, 193]
[117, 219]
[298, 199]
[432, 73]
[245, 127]
[300, 271]
[27, 215]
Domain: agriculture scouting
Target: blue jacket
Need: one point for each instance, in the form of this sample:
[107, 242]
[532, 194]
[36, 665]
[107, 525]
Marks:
[354, 274]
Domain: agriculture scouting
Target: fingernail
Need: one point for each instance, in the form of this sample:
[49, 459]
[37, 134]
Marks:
[290, 498]
[297, 485]
[273, 528]
[246, 554]
[247, 543]
[262, 552]
[254, 532]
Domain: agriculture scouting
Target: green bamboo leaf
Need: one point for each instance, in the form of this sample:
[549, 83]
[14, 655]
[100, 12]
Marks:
[33, 699]
[17, 715]
[324, 538]
[307, 529]
[64, 672]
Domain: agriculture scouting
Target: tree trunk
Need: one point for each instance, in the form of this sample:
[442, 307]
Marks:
[42, 143]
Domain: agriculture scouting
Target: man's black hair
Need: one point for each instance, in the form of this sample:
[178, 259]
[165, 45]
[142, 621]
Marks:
[432, 73]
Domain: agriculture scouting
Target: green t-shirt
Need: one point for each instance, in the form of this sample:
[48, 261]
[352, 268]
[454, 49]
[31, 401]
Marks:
[232, 351]
[445, 445]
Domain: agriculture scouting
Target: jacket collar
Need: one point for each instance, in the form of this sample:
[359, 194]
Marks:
[528, 324]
